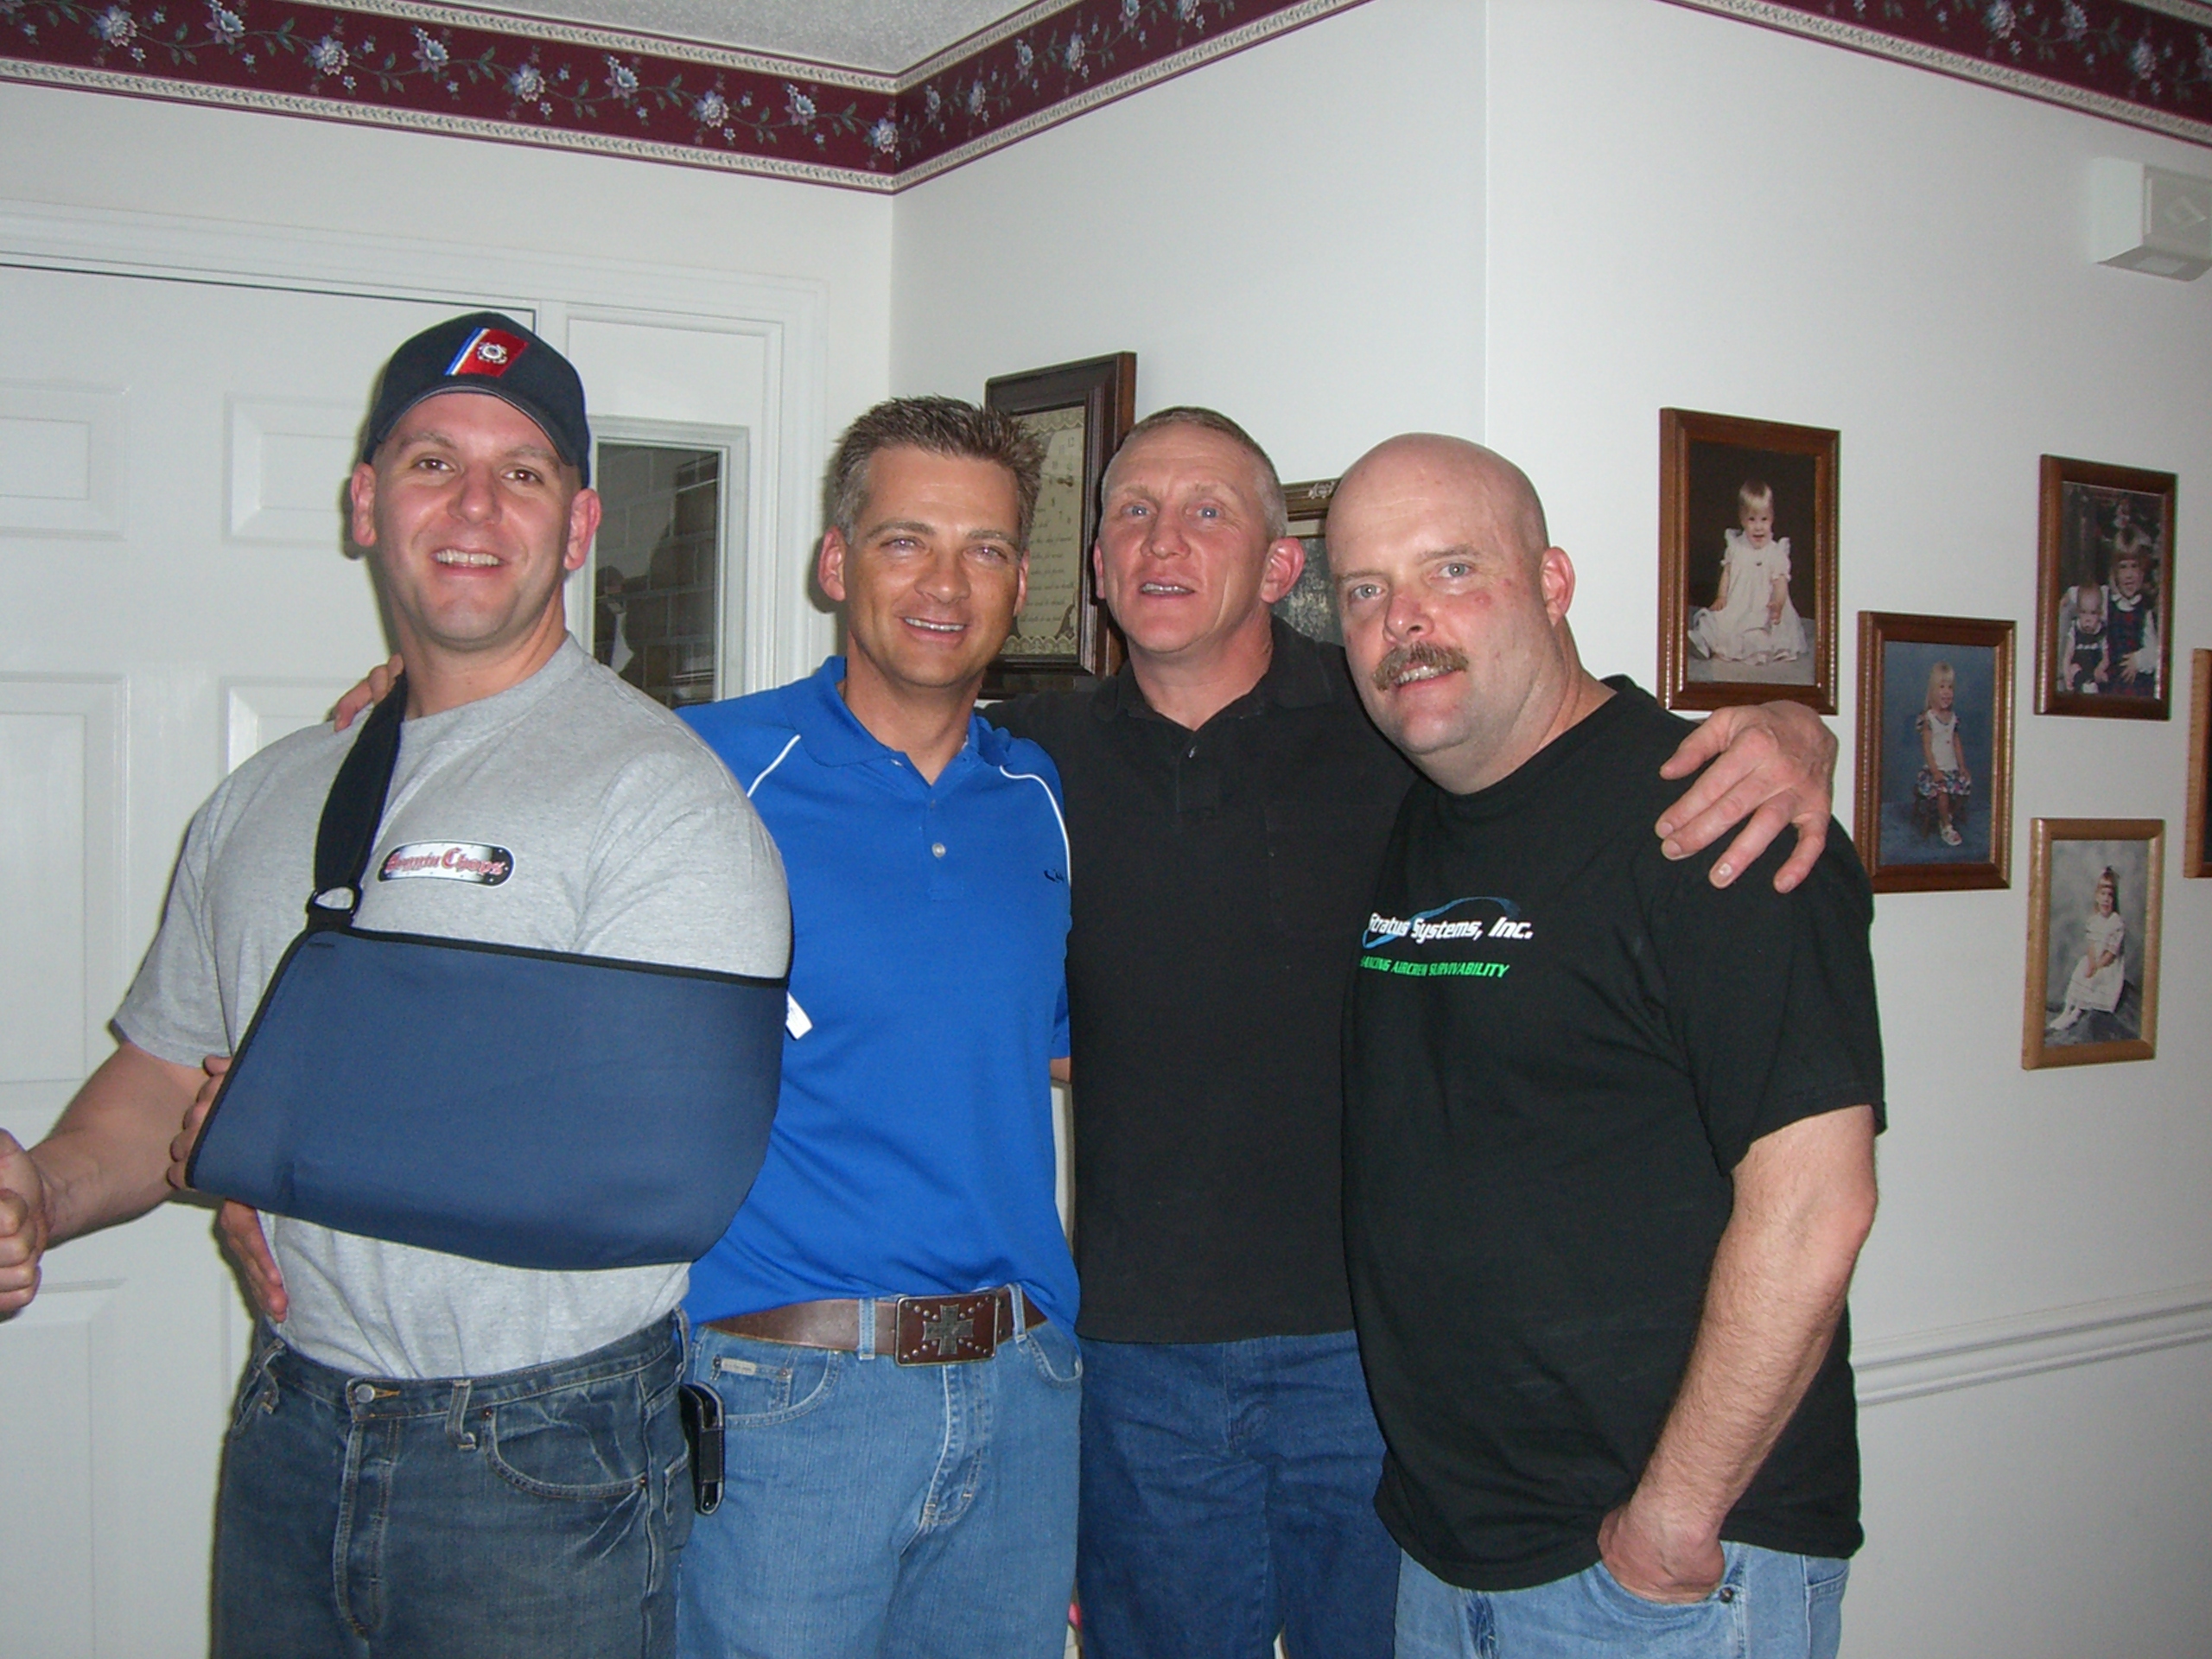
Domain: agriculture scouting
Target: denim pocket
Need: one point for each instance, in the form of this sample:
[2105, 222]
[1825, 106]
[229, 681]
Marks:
[1055, 1354]
[1826, 1576]
[258, 1387]
[583, 1443]
[1695, 1624]
[764, 1384]
[1825, 1579]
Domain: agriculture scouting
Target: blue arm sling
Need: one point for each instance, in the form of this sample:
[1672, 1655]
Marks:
[529, 1108]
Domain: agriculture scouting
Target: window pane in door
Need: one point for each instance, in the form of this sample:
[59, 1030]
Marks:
[655, 600]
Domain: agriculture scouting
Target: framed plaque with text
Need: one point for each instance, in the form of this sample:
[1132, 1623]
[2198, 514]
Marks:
[1079, 412]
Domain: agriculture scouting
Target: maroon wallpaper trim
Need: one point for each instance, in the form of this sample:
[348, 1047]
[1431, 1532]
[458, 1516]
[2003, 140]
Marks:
[466, 72]
[444, 69]
[2146, 64]
[1072, 59]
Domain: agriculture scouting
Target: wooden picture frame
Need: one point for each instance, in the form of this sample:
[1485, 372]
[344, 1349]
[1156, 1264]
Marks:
[1919, 826]
[1080, 412]
[2112, 1018]
[2093, 529]
[2196, 852]
[1310, 606]
[1719, 644]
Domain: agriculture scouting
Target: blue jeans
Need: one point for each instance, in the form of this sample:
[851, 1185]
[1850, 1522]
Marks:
[870, 1508]
[1767, 1605]
[536, 1512]
[1228, 1494]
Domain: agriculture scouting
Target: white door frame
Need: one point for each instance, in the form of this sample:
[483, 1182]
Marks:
[785, 636]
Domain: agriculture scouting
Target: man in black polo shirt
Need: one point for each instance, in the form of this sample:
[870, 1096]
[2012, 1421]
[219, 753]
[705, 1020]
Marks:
[1609, 1132]
[1228, 802]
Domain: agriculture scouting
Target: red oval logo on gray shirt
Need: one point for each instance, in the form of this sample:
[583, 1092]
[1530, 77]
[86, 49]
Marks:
[448, 860]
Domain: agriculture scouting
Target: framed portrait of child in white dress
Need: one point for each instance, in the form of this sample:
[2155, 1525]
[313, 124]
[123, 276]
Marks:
[2093, 900]
[2105, 592]
[1934, 797]
[1747, 562]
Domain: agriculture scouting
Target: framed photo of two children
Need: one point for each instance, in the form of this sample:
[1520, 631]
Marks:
[1747, 562]
[2104, 591]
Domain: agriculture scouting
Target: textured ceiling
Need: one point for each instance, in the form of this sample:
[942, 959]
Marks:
[886, 36]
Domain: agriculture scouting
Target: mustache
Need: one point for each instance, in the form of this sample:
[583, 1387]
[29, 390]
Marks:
[1445, 659]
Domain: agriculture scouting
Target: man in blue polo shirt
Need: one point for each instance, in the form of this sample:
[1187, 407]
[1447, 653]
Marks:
[888, 1322]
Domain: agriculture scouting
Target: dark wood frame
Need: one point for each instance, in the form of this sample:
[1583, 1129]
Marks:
[2195, 856]
[1678, 430]
[1876, 630]
[2034, 1051]
[2057, 472]
[1306, 506]
[1105, 388]
[1307, 509]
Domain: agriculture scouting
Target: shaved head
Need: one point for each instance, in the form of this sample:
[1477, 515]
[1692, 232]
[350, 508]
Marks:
[1432, 462]
[1455, 607]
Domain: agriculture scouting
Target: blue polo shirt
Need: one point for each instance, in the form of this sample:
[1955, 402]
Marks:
[913, 1149]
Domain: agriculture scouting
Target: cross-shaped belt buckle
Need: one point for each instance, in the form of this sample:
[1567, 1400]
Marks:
[947, 1330]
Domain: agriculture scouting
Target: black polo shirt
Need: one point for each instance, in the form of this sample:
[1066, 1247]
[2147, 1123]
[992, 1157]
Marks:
[1220, 880]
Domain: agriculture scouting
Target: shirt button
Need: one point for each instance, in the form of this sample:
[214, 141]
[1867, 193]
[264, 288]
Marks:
[937, 849]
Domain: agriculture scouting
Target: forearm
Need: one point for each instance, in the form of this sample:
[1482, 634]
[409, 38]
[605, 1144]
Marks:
[107, 1159]
[1776, 1289]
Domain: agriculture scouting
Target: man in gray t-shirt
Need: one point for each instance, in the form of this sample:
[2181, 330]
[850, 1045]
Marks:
[431, 1452]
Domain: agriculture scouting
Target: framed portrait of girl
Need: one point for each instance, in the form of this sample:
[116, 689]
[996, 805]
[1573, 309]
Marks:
[1747, 562]
[1934, 797]
[2094, 898]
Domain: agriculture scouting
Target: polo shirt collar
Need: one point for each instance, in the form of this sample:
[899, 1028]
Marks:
[1296, 678]
[836, 738]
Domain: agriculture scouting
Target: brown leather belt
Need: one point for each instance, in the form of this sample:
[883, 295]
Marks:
[912, 1330]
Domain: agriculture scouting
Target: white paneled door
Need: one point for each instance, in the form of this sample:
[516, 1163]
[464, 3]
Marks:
[178, 592]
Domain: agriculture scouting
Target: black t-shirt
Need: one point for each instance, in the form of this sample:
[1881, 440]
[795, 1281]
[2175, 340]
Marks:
[1558, 1046]
[1218, 881]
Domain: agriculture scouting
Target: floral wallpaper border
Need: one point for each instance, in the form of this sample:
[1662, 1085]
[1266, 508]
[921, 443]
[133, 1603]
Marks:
[2145, 62]
[447, 69]
[443, 69]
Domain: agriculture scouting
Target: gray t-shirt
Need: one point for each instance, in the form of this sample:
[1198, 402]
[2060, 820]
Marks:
[567, 813]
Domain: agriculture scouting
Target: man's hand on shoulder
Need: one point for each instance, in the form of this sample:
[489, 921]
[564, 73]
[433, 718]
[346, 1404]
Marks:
[1773, 766]
[1656, 1563]
[371, 691]
[23, 1224]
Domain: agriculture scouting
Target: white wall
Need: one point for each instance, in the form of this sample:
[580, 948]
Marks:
[1539, 221]
[1292, 235]
[88, 151]
[78, 150]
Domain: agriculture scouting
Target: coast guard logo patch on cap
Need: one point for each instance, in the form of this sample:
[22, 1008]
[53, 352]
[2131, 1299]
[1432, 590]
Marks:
[488, 350]
[448, 860]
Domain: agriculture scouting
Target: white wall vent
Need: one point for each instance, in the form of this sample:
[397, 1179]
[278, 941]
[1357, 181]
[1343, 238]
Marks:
[2148, 219]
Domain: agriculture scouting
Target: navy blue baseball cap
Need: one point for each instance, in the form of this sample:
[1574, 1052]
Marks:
[487, 352]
